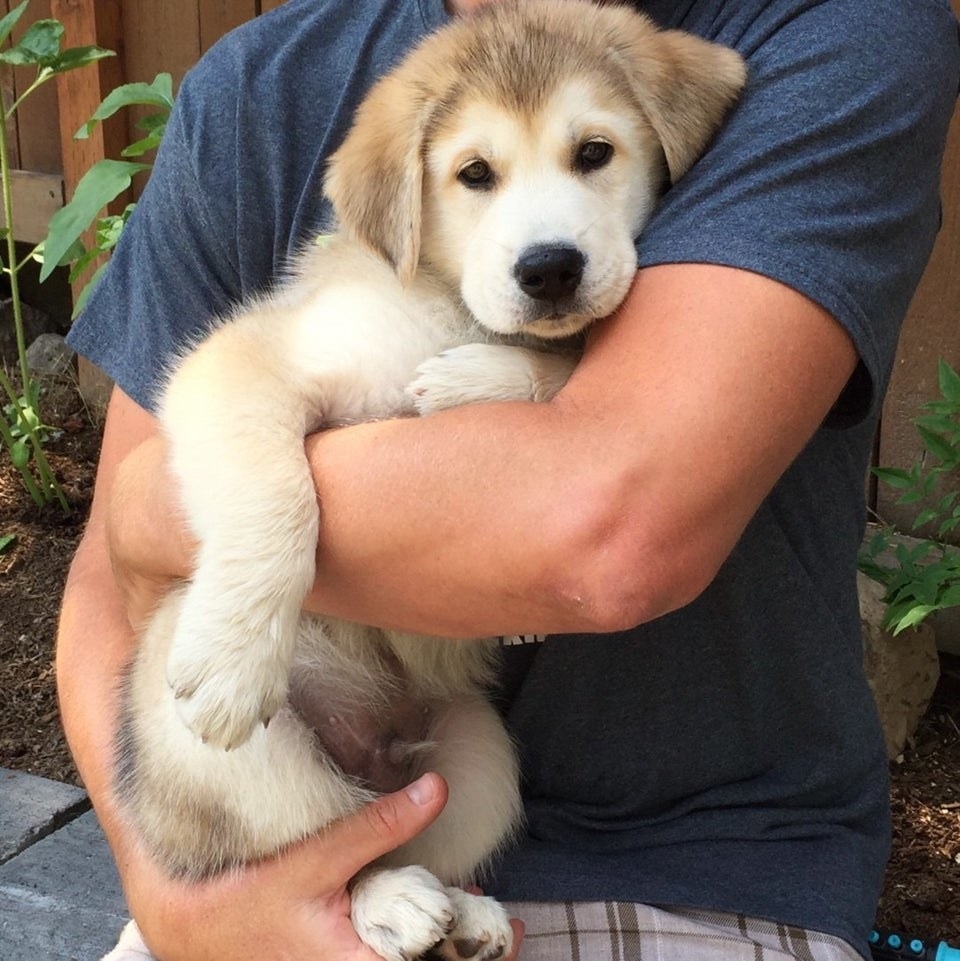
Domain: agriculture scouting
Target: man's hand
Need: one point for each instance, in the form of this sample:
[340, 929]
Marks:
[289, 908]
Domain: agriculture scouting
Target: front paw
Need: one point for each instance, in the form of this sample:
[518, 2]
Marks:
[401, 912]
[228, 673]
[471, 374]
[482, 931]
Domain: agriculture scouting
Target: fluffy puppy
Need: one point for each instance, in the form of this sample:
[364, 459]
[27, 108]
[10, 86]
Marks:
[487, 200]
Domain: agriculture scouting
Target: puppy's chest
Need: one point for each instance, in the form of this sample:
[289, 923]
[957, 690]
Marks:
[360, 349]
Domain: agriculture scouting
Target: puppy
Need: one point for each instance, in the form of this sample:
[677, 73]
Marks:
[487, 200]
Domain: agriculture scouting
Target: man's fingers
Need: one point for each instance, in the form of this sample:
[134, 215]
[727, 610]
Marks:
[351, 844]
[518, 930]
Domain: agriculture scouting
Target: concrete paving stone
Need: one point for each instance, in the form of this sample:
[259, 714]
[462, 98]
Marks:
[31, 807]
[60, 899]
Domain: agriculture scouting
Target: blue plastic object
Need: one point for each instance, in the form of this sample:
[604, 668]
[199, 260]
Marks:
[892, 946]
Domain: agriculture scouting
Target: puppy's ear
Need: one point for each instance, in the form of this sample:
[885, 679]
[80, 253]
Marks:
[687, 86]
[375, 179]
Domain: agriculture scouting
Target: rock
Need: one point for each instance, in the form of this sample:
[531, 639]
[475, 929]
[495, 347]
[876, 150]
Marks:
[35, 323]
[49, 355]
[902, 671]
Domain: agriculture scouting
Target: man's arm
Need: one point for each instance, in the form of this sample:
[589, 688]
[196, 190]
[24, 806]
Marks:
[613, 504]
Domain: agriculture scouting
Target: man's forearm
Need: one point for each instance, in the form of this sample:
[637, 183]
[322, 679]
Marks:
[94, 644]
[476, 510]
[610, 505]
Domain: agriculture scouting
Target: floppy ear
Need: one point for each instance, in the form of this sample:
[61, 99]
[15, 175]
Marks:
[375, 179]
[687, 86]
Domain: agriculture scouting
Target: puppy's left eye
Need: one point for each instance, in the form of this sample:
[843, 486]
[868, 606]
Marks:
[593, 154]
[476, 175]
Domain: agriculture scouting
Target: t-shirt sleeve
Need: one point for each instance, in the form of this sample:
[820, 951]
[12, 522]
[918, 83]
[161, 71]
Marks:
[826, 175]
[174, 268]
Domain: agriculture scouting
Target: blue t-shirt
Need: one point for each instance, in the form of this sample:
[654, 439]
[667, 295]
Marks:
[728, 755]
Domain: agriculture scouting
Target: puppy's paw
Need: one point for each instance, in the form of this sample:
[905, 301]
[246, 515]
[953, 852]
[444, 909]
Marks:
[478, 373]
[228, 674]
[482, 930]
[401, 912]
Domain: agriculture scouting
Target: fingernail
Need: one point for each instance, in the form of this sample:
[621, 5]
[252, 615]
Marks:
[421, 792]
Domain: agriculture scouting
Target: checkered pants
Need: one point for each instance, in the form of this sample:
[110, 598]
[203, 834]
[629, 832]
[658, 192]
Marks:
[620, 931]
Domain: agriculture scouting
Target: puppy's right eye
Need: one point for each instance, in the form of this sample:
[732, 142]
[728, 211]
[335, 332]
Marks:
[476, 175]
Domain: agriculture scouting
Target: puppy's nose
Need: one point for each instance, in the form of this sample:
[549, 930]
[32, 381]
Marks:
[549, 272]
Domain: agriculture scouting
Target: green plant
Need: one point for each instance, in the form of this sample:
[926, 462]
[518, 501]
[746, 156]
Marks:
[21, 433]
[102, 184]
[925, 577]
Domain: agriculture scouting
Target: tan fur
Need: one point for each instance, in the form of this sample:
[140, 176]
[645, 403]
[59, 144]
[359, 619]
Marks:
[415, 306]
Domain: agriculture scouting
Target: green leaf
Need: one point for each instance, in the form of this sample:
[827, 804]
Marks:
[950, 597]
[159, 93]
[924, 517]
[6, 542]
[139, 147]
[20, 454]
[948, 525]
[894, 477]
[75, 57]
[949, 381]
[913, 617]
[40, 44]
[10, 21]
[936, 444]
[84, 295]
[102, 183]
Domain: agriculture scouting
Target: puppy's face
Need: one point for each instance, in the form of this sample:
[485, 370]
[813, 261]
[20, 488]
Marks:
[532, 212]
[518, 152]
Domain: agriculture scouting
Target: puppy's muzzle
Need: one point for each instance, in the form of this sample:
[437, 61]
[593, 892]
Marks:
[549, 272]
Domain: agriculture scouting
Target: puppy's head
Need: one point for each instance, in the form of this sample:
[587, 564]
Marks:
[519, 151]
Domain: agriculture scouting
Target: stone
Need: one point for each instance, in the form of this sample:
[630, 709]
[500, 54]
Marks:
[902, 671]
[32, 807]
[49, 355]
[61, 897]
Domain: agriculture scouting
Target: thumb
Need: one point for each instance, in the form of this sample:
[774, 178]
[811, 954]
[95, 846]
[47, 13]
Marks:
[383, 825]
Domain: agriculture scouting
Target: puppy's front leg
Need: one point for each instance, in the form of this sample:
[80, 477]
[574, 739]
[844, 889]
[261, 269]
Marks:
[478, 373]
[235, 424]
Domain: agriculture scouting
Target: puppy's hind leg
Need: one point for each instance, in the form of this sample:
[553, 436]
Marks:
[130, 947]
[475, 756]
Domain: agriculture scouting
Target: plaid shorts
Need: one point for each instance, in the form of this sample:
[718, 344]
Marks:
[622, 931]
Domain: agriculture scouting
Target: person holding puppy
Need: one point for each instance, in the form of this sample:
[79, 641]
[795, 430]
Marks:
[668, 546]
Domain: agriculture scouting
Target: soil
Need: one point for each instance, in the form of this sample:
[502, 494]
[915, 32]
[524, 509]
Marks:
[922, 890]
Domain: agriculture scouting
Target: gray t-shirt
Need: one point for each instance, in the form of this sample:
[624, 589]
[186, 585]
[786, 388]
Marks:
[728, 755]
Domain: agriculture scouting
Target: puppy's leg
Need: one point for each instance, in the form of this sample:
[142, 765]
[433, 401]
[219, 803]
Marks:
[235, 423]
[400, 912]
[475, 756]
[476, 373]
[130, 947]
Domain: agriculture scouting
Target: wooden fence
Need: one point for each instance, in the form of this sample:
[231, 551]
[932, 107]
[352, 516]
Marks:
[153, 36]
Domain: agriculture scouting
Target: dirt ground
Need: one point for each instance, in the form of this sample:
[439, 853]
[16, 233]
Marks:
[922, 892]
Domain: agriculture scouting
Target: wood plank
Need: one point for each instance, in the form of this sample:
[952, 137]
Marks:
[38, 135]
[36, 198]
[931, 331]
[81, 91]
[8, 93]
[218, 17]
[160, 37]
[266, 5]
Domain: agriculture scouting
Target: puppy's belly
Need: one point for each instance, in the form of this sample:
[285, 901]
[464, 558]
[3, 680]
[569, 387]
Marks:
[378, 745]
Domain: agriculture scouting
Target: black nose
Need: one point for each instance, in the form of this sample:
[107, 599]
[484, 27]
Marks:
[548, 272]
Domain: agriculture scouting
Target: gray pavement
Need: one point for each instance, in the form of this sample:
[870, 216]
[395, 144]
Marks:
[60, 897]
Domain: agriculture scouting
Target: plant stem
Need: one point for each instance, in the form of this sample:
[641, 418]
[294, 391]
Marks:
[49, 488]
